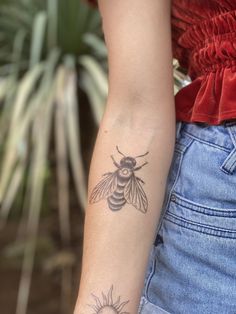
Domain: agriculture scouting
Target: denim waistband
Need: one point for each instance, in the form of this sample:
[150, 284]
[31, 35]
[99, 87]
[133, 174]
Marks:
[223, 135]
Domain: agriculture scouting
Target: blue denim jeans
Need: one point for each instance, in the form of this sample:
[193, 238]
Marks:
[192, 263]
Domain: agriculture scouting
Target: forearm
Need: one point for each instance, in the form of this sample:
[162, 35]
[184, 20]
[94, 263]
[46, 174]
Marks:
[123, 211]
[119, 230]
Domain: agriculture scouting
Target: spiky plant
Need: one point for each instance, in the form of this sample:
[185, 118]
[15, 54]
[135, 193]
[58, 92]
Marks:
[51, 51]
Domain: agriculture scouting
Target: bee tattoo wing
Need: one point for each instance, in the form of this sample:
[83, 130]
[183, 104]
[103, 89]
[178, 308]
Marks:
[104, 188]
[135, 195]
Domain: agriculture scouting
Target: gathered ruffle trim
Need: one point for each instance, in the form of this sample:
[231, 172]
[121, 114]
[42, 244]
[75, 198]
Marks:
[210, 98]
[207, 46]
[206, 30]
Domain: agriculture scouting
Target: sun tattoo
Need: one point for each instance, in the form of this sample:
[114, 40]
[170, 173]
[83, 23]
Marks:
[122, 186]
[107, 305]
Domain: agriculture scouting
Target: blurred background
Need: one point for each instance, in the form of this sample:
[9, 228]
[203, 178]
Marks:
[53, 88]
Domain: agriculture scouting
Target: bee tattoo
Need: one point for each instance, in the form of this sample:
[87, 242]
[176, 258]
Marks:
[122, 186]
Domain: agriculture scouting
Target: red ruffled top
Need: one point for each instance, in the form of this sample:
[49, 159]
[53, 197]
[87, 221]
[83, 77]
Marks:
[204, 43]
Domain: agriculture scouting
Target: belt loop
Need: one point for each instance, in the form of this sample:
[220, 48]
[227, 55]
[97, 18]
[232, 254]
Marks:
[229, 165]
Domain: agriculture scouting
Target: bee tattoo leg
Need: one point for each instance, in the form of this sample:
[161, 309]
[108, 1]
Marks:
[138, 168]
[114, 162]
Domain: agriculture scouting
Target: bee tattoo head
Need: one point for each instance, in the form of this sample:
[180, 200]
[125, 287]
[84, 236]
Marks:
[122, 185]
[128, 162]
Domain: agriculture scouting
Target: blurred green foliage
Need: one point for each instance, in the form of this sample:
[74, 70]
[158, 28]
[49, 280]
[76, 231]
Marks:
[51, 51]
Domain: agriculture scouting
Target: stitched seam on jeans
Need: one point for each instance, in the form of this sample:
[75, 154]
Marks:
[167, 201]
[150, 276]
[232, 165]
[204, 209]
[206, 142]
[141, 306]
[201, 224]
[228, 161]
[199, 228]
[231, 131]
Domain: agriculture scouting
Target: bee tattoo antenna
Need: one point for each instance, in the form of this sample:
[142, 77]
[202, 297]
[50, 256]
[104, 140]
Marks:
[142, 155]
[120, 151]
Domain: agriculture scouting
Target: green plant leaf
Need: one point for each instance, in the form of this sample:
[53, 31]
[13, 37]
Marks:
[52, 34]
[62, 155]
[42, 122]
[73, 135]
[38, 38]
[96, 72]
[97, 44]
[96, 98]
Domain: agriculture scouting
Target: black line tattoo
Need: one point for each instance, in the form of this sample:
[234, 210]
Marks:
[122, 186]
[106, 305]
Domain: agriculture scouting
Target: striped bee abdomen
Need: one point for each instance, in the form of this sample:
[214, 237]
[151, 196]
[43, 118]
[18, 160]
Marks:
[117, 200]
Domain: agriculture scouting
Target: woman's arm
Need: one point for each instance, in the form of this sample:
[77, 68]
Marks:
[126, 194]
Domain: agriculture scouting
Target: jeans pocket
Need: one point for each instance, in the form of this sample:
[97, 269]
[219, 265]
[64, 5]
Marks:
[201, 218]
[193, 267]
